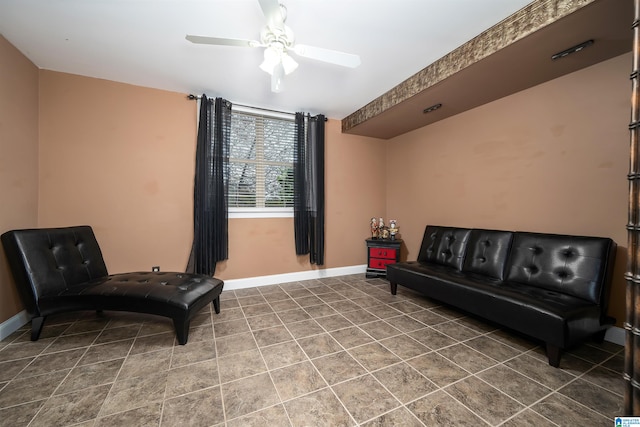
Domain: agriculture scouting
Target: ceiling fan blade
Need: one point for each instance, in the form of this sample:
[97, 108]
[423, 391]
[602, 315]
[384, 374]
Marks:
[273, 13]
[222, 41]
[327, 55]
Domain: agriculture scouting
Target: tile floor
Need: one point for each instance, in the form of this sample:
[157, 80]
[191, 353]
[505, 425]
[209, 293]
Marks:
[330, 352]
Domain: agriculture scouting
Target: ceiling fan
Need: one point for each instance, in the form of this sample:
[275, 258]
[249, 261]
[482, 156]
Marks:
[278, 41]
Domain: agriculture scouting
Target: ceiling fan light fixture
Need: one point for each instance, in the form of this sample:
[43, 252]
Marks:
[277, 78]
[271, 59]
[288, 63]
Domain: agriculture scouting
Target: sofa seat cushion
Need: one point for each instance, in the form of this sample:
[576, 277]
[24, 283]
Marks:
[538, 312]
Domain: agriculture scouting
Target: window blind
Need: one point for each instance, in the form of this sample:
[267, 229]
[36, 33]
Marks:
[261, 160]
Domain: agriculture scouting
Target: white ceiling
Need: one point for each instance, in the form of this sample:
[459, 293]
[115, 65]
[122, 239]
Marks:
[142, 42]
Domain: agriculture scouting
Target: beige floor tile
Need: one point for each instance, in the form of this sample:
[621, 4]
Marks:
[514, 384]
[283, 354]
[374, 356]
[397, 417]
[338, 367]
[484, 400]
[295, 380]
[321, 408]
[439, 409]
[558, 407]
[319, 345]
[202, 407]
[404, 382]
[304, 328]
[273, 416]
[351, 337]
[365, 398]
[276, 355]
[248, 395]
[240, 365]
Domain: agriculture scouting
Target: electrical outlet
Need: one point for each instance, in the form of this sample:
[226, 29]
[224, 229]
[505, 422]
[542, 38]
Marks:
[155, 268]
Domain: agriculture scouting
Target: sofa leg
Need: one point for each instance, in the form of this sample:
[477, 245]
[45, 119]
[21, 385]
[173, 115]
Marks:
[394, 288]
[36, 327]
[182, 330]
[216, 305]
[554, 353]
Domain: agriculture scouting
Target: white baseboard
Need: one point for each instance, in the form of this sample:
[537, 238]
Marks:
[12, 324]
[250, 282]
[615, 335]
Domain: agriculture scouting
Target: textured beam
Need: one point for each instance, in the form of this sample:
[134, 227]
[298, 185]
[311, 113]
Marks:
[526, 21]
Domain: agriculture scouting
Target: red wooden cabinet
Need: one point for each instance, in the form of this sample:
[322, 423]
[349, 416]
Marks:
[380, 253]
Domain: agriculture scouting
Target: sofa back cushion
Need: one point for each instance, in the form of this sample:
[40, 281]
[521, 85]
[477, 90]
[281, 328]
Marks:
[487, 252]
[444, 245]
[573, 265]
[46, 261]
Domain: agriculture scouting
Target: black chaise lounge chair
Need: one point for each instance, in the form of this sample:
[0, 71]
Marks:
[61, 269]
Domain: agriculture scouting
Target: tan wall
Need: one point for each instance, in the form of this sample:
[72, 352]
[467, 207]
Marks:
[18, 157]
[121, 158]
[553, 158]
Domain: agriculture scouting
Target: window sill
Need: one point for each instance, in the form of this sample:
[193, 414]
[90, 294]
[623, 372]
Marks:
[260, 212]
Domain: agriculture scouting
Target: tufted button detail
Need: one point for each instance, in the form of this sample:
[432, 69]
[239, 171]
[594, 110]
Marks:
[532, 269]
[536, 250]
[486, 243]
[568, 253]
[482, 259]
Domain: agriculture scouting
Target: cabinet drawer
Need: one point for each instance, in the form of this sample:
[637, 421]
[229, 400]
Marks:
[389, 253]
[380, 263]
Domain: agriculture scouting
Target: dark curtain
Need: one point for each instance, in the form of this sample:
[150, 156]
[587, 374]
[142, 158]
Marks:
[308, 187]
[210, 213]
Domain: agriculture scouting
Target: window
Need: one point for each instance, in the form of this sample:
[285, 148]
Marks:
[261, 164]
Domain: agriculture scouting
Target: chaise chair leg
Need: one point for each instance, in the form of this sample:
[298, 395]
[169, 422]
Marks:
[182, 330]
[394, 288]
[36, 327]
[216, 305]
[554, 353]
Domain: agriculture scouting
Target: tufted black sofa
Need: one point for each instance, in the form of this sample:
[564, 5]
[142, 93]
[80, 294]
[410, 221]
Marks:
[61, 269]
[554, 288]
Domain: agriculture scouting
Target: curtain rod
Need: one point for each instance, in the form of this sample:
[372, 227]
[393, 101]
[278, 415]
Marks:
[193, 97]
